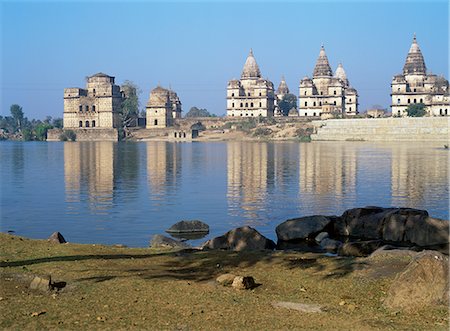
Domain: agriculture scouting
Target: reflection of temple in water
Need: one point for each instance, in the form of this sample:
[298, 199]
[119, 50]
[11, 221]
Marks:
[89, 166]
[163, 166]
[249, 172]
[415, 177]
[326, 168]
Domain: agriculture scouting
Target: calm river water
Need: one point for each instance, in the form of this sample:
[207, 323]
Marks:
[104, 192]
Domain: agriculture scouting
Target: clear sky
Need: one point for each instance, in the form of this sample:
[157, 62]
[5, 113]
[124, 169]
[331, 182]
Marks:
[196, 47]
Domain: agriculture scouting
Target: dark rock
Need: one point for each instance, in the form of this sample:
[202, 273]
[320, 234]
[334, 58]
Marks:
[57, 237]
[160, 241]
[302, 228]
[300, 245]
[427, 232]
[240, 239]
[363, 223]
[359, 248]
[424, 282]
[41, 283]
[243, 283]
[330, 245]
[189, 227]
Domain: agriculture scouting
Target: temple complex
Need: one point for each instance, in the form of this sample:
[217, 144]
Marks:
[251, 95]
[325, 94]
[96, 106]
[163, 107]
[415, 85]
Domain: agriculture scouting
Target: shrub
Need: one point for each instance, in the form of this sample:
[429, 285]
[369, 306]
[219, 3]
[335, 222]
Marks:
[262, 132]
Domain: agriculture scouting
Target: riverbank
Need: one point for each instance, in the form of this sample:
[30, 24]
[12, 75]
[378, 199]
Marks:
[107, 287]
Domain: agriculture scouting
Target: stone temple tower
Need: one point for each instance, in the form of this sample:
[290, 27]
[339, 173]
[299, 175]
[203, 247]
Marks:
[251, 96]
[415, 85]
[159, 109]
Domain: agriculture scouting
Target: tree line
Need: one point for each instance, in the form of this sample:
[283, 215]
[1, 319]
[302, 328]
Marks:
[18, 127]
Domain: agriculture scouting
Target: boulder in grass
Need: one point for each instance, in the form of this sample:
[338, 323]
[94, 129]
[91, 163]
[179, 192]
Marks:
[188, 227]
[303, 228]
[160, 241]
[41, 283]
[243, 282]
[57, 238]
[240, 239]
[226, 279]
[424, 282]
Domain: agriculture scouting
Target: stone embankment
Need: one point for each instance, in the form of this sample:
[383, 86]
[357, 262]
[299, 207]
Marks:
[383, 129]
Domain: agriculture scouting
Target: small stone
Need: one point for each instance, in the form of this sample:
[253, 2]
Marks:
[351, 307]
[57, 238]
[38, 313]
[226, 279]
[243, 282]
[342, 303]
[101, 318]
[41, 283]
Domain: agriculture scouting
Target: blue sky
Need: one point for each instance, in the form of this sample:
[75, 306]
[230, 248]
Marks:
[196, 47]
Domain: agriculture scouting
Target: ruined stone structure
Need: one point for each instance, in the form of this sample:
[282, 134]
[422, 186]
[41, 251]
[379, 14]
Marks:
[325, 94]
[96, 106]
[251, 95]
[163, 107]
[415, 85]
[176, 104]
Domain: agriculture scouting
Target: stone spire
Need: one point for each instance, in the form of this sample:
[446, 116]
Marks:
[283, 88]
[322, 67]
[340, 73]
[251, 69]
[415, 64]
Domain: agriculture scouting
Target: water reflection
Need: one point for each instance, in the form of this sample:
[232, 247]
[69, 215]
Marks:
[89, 173]
[163, 168]
[419, 174]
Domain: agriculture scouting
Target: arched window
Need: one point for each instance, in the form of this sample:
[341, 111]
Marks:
[93, 108]
[446, 112]
[314, 104]
[175, 134]
[87, 124]
[306, 114]
[81, 108]
[184, 134]
[306, 104]
[248, 93]
[421, 100]
[350, 108]
[305, 92]
[242, 105]
[156, 122]
[320, 103]
[398, 101]
[349, 100]
[415, 100]
[81, 123]
[321, 93]
[260, 104]
[251, 105]
[334, 92]
[246, 105]
[314, 114]
[93, 124]
[260, 94]
[232, 94]
[409, 101]
[334, 102]
[232, 105]
[86, 108]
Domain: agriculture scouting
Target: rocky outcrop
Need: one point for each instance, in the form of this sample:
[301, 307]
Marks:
[424, 282]
[240, 239]
[160, 241]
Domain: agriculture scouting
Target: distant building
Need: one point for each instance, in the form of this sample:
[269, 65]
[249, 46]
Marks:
[375, 113]
[281, 91]
[96, 106]
[162, 108]
[415, 85]
[252, 95]
[325, 93]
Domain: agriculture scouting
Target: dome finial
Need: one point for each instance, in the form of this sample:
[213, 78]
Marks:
[414, 38]
[251, 52]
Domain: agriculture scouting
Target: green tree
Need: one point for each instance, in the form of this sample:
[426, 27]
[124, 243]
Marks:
[288, 102]
[41, 129]
[129, 111]
[58, 123]
[416, 110]
[17, 115]
[196, 112]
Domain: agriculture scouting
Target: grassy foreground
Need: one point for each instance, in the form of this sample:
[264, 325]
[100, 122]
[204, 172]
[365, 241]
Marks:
[130, 288]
